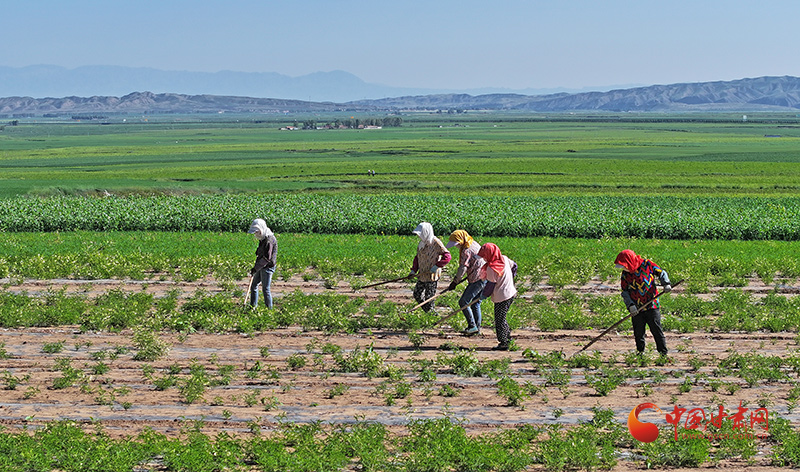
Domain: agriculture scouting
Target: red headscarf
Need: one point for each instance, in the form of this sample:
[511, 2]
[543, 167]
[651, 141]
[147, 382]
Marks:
[490, 253]
[629, 259]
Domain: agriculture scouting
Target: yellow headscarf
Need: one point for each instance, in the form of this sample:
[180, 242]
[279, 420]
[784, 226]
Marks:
[462, 238]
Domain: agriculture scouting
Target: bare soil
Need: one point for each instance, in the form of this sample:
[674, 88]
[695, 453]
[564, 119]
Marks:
[125, 402]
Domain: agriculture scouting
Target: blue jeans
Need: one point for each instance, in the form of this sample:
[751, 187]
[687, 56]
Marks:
[264, 277]
[473, 313]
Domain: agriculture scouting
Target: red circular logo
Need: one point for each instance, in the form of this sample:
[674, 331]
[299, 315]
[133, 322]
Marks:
[640, 430]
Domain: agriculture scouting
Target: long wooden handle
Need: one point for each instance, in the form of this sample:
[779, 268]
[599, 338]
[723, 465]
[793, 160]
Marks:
[385, 282]
[442, 320]
[247, 297]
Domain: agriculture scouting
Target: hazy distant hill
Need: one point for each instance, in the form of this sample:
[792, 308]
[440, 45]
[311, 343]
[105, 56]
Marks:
[53, 81]
[763, 93]
[335, 86]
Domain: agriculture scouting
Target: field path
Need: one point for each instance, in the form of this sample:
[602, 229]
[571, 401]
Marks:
[302, 394]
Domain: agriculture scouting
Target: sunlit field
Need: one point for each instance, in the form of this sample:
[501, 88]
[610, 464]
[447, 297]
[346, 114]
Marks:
[128, 343]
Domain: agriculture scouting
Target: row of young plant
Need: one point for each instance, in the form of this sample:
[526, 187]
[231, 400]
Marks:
[362, 259]
[572, 217]
[428, 445]
[719, 374]
[729, 310]
[199, 381]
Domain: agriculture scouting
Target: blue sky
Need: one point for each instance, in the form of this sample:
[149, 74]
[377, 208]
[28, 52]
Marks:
[446, 44]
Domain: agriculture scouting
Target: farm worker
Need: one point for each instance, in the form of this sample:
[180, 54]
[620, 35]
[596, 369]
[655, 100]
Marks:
[499, 271]
[427, 266]
[266, 255]
[638, 281]
[469, 264]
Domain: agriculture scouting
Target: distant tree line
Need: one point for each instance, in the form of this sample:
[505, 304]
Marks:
[89, 117]
[353, 123]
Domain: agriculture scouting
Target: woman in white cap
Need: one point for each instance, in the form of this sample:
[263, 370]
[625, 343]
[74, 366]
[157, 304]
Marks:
[431, 257]
[266, 255]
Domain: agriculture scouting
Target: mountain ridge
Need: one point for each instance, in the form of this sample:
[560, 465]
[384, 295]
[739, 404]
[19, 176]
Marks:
[749, 94]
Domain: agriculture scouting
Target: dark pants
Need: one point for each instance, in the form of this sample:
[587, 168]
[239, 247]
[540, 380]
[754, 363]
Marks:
[500, 322]
[651, 318]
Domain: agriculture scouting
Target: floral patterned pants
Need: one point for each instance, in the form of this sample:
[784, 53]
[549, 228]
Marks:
[424, 291]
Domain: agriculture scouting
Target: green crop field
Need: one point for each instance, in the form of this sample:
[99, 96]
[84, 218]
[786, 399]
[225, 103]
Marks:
[665, 217]
[432, 154]
[365, 258]
[127, 336]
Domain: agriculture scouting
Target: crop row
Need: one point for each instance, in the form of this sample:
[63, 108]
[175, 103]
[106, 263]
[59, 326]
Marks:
[383, 373]
[731, 310]
[571, 217]
[429, 445]
[363, 259]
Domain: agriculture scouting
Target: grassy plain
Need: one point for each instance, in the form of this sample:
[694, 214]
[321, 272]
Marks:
[508, 154]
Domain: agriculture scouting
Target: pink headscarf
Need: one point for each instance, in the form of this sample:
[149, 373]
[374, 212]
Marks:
[490, 253]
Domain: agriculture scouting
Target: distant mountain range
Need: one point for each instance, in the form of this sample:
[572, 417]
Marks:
[336, 86]
[756, 94]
